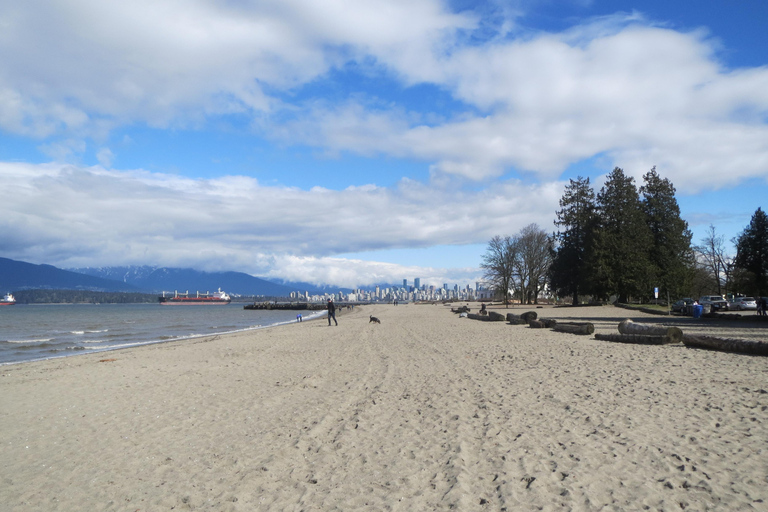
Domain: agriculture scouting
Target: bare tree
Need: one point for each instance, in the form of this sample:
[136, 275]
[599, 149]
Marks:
[499, 265]
[534, 257]
[711, 255]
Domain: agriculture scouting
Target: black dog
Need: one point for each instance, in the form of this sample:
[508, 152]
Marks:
[374, 320]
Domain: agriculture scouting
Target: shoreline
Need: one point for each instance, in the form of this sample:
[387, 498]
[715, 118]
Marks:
[85, 351]
[424, 411]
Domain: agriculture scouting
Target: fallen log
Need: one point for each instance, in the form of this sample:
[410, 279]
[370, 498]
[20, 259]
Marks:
[493, 316]
[462, 309]
[542, 323]
[521, 319]
[475, 316]
[638, 339]
[629, 327]
[726, 344]
[515, 319]
[574, 328]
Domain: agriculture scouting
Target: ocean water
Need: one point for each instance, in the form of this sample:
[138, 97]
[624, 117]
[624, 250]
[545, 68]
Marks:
[33, 332]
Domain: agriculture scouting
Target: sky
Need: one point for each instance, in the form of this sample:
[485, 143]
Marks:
[359, 142]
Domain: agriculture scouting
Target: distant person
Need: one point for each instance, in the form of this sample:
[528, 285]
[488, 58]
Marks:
[298, 318]
[331, 312]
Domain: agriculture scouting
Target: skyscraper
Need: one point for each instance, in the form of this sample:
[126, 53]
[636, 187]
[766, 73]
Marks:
[417, 283]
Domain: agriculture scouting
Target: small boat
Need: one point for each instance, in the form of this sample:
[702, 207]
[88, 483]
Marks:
[199, 299]
[8, 300]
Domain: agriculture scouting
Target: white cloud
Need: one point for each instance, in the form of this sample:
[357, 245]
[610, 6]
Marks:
[642, 95]
[76, 216]
[173, 61]
[617, 85]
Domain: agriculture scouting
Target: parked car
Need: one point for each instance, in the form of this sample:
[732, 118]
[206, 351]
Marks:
[683, 306]
[716, 302]
[743, 303]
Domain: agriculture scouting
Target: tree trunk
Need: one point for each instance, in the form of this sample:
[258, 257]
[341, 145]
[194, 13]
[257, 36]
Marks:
[726, 344]
[640, 339]
[574, 328]
[629, 327]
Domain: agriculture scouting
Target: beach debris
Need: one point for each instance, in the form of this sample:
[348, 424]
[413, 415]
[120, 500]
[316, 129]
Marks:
[574, 327]
[726, 344]
[629, 327]
[639, 339]
[462, 309]
[493, 316]
[475, 316]
[106, 360]
[521, 319]
[542, 323]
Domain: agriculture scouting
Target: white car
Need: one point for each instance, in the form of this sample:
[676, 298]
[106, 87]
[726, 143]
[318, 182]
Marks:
[743, 303]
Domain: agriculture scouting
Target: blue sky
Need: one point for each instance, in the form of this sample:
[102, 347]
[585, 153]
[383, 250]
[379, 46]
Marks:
[361, 142]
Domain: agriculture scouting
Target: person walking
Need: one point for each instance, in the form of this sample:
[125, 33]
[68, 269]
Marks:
[331, 312]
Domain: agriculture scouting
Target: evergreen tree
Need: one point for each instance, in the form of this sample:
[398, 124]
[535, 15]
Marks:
[619, 263]
[671, 257]
[575, 221]
[752, 255]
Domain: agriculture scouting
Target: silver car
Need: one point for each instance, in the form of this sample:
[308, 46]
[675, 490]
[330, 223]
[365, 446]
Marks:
[715, 302]
[743, 304]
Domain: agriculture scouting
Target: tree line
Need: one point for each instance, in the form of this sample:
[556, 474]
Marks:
[45, 296]
[622, 243]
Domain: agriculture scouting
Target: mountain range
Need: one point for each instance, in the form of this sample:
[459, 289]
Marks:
[19, 275]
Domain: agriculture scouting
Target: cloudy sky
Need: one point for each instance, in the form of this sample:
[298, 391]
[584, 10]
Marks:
[355, 142]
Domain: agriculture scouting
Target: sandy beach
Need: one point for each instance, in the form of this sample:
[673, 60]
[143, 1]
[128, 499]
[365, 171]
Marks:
[426, 411]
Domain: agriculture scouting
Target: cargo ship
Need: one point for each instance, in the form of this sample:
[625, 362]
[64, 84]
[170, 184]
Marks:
[199, 299]
[8, 300]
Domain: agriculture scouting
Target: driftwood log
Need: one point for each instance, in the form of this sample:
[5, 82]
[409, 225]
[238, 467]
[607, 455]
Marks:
[521, 319]
[493, 316]
[475, 316]
[726, 344]
[462, 309]
[629, 327]
[638, 339]
[542, 323]
[574, 328]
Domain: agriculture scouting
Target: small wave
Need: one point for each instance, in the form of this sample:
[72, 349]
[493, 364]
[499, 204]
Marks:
[73, 348]
[77, 332]
[97, 331]
[40, 340]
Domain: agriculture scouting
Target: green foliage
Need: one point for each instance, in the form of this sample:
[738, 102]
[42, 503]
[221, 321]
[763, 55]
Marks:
[620, 260]
[618, 244]
[752, 255]
[575, 221]
[671, 257]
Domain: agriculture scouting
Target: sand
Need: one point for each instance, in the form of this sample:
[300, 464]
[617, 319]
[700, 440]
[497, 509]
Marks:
[426, 411]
